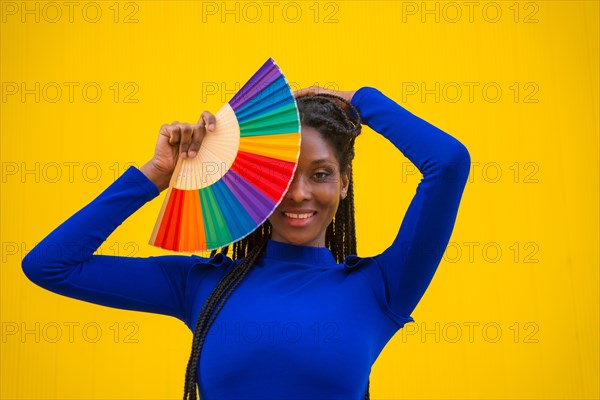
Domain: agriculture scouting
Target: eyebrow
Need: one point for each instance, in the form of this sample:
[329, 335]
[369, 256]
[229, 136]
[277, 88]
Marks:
[322, 161]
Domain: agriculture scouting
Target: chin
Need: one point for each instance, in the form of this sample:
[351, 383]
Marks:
[293, 240]
[298, 240]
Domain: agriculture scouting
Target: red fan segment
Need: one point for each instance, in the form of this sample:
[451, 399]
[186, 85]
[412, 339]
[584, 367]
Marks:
[182, 223]
[269, 175]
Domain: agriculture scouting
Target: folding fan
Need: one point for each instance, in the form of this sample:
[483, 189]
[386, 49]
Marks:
[241, 172]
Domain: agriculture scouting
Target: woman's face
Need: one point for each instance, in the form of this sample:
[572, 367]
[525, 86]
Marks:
[312, 199]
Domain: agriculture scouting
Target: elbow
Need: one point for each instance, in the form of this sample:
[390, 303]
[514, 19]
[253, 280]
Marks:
[32, 268]
[41, 271]
[463, 158]
[457, 163]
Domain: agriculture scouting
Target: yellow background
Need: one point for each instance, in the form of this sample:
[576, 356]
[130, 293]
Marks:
[540, 292]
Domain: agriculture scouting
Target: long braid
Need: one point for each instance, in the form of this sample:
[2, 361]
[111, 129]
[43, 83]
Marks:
[217, 298]
[238, 273]
[351, 222]
[201, 328]
[339, 122]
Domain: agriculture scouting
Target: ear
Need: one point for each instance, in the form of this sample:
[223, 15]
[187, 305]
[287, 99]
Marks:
[345, 183]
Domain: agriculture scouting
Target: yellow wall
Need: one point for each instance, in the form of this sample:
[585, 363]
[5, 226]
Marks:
[515, 300]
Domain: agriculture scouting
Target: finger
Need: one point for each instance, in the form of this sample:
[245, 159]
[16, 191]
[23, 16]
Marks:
[209, 120]
[197, 136]
[186, 139]
[164, 130]
[305, 91]
[174, 134]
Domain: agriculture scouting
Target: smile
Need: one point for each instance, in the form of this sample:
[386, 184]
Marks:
[299, 216]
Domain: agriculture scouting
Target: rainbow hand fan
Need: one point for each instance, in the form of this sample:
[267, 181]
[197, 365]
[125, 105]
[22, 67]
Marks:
[241, 172]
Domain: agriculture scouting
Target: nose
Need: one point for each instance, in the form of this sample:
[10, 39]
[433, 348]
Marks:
[299, 190]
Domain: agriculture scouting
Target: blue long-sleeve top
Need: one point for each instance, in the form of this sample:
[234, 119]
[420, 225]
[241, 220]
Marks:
[299, 326]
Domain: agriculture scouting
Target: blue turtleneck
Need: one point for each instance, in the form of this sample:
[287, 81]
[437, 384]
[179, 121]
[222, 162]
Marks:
[299, 326]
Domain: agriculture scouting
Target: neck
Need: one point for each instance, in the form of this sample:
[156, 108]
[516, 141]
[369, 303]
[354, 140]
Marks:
[302, 254]
[316, 242]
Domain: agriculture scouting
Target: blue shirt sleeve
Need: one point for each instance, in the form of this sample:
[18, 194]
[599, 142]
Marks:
[64, 262]
[408, 265]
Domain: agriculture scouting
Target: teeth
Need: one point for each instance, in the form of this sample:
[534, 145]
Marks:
[299, 216]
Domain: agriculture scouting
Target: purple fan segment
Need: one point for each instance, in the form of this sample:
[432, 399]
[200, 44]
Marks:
[256, 204]
[268, 73]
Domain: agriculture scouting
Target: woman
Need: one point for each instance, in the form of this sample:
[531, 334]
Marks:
[295, 313]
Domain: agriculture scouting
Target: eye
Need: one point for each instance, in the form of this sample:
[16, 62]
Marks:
[320, 175]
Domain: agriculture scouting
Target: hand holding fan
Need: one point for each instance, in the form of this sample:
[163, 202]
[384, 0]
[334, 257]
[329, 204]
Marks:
[241, 172]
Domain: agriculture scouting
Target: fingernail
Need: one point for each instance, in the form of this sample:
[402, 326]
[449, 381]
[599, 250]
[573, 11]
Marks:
[211, 126]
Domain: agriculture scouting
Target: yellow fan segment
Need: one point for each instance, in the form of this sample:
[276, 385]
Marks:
[281, 147]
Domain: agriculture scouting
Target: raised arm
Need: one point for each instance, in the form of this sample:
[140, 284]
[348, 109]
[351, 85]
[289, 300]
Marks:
[408, 265]
[64, 262]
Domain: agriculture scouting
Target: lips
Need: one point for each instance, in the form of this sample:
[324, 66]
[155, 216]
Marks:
[298, 215]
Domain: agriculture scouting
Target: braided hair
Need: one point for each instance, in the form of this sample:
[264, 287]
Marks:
[339, 123]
